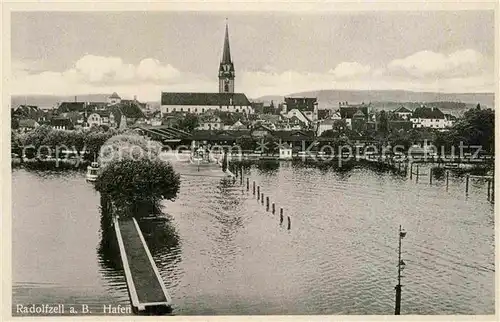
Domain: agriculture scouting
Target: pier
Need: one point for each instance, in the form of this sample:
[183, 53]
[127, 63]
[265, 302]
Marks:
[148, 294]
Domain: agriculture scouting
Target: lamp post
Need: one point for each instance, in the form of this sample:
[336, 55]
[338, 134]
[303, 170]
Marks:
[401, 266]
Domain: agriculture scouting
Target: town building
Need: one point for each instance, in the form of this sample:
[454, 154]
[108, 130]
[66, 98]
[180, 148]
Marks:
[347, 112]
[61, 123]
[26, 125]
[428, 117]
[402, 113]
[308, 106]
[210, 122]
[114, 99]
[226, 100]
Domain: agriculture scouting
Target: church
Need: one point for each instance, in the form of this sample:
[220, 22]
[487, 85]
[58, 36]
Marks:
[225, 100]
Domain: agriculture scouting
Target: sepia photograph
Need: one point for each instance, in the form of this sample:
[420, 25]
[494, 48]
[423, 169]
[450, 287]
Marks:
[237, 163]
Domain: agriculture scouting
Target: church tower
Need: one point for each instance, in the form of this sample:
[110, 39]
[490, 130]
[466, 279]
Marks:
[226, 68]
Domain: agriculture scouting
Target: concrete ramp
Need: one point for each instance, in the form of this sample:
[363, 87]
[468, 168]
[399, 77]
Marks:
[147, 291]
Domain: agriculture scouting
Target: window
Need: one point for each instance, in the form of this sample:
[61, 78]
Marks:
[196, 110]
[173, 109]
[182, 109]
[189, 110]
[202, 110]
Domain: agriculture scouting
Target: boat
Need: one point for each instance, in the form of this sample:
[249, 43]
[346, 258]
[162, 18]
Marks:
[202, 159]
[92, 171]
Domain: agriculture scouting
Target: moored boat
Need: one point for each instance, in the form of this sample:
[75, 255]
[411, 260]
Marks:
[92, 171]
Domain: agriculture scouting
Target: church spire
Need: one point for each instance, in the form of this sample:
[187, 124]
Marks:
[226, 55]
[226, 68]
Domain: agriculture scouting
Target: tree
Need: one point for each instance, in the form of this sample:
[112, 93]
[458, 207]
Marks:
[383, 125]
[94, 140]
[477, 127]
[35, 140]
[270, 144]
[188, 123]
[136, 177]
[132, 184]
[246, 142]
[128, 146]
[14, 123]
[329, 134]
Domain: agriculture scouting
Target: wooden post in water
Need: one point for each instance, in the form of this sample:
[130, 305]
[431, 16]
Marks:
[430, 176]
[267, 203]
[489, 186]
[467, 184]
[248, 184]
[274, 210]
[447, 176]
[258, 192]
[289, 223]
[281, 216]
[262, 198]
[417, 175]
[253, 187]
[492, 197]
[411, 171]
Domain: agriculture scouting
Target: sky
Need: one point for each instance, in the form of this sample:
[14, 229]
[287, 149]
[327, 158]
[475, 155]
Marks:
[274, 53]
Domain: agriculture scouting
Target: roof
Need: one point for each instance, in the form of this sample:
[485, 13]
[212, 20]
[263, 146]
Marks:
[359, 113]
[209, 118]
[226, 55]
[220, 135]
[450, 116]
[328, 122]
[71, 107]
[27, 123]
[428, 113]
[301, 103]
[402, 109]
[164, 131]
[131, 111]
[206, 99]
[270, 117]
[114, 95]
[347, 112]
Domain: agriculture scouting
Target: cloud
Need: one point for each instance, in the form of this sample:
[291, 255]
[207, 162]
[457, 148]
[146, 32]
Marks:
[350, 70]
[96, 69]
[461, 71]
[429, 64]
[101, 74]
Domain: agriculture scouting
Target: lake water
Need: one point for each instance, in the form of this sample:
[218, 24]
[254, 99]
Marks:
[220, 252]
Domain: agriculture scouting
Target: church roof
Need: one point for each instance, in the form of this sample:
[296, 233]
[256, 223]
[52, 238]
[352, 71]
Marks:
[204, 99]
[226, 55]
[114, 95]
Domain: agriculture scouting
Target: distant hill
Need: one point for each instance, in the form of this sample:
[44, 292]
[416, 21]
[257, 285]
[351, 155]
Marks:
[331, 98]
[53, 100]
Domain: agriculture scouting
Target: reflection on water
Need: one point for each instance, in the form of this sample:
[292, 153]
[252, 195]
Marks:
[220, 252]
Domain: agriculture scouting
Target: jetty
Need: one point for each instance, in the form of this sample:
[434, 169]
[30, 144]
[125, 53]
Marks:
[147, 291]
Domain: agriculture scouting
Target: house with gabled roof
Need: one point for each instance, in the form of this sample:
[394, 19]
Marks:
[26, 125]
[428, 117]
[210, 121]
[114, 99]
[402, 113]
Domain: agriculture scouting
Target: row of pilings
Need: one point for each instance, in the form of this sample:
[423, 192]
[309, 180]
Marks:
[258, 193]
